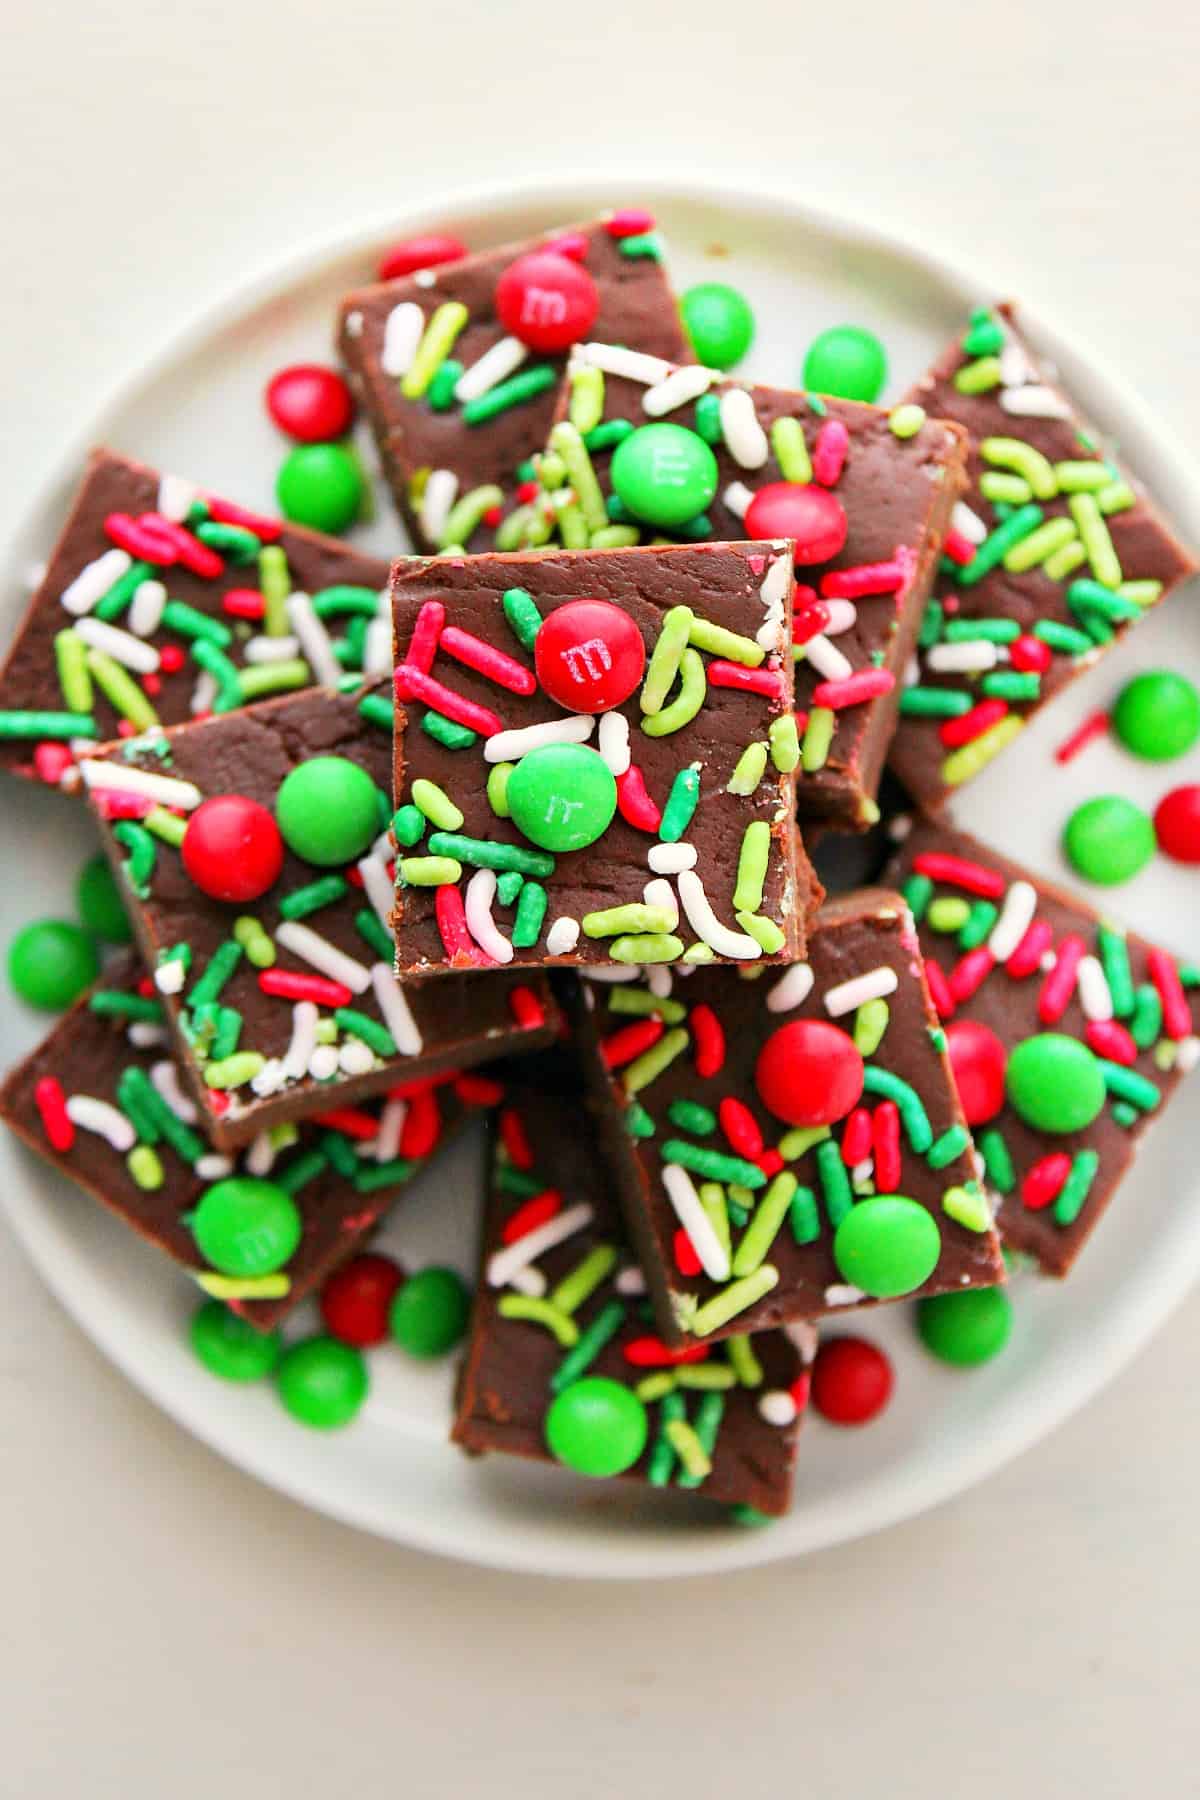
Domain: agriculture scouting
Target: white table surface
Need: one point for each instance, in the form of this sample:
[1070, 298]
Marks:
[168, 1628]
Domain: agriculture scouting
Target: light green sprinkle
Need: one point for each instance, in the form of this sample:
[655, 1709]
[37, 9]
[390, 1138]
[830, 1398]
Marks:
[870, 1024]
[540, 1312]
[437, 340]
[466, 515]
[769, 1216]
[905, 421]
[711, 1196]
[693, 686]
[710, 1377]
[968, 1207]
[730, 644]
[1065, 561]
[275, 584]
[582, 1281]
[145, 1166]
[651, 1063]
[801, 1138]
[785, 742]
[742, 1360]
[257, 946]
[1054, 535]
[567, 441]
[687, 1446]
[765, 932]
[244, 1287]
[436, 805]
[818, 737]
[234, 1071]
[1081, 477]
[749, 769]
[587, 399]
[666, 657]
[790, 450]
[614, 537]
[962, 765]
[949, 913]
[120, 689]
[653, 1387]
[646, 947]
[1023, 460]
[70, 657]
[1117, 497]
[1005, 490]
[613, 921]
[732, 1300]
[429, 871]
[268, 678]
[753, 859]
[1097, 543]
[978, 377]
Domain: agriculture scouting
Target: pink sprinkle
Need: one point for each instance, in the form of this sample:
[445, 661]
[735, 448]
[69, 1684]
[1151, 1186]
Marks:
[1109, 1038]
[970, 972]
[958, 548]
[413, 684]
[1177, 1014]
[571, 244]
[939, 991]
[426, 635]
[972, 724]
[51, 761]
[1059, 984]
[829, 452]
[866, 578]
[864, 684]
[1094, 726]
[1027, 957]
[489, 662]
[750, 681]
[960, 872]
[630, 221]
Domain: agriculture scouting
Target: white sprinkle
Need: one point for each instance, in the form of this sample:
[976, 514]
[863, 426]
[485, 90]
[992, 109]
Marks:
[270, 1078]
[705, 923]
[391, 1129]
[176, 497]
[352, 324]
[612, 741]
[355, 1057]
[843, 1294]
[320, 954]
[323, 1063]
[378, 888]
[630, 1280]
[847, 996]
[314, 640]
[401, 334]
[143, 1034]
[123, 778]
[1015, 366]
[377, 647]
[1187, 1054]
[791, 990]
[1047, 961]
[304, 1039]
[659, 980]
[773, 593]
[630, 365]
[170, 975]
[529, 1281]
[146, 607]
[964, 658]
[660, 893]
[681, 1192]
[737, 498]
[503, 359]
[441, 491]
[802, 1334]
[611, 974]
[1034, 402]
[425, 278]
[777, 1407]
[670, 859]
[98, 1116]
[203, 694]
[510, 746]
[912, 671]
[827, 659]
[1016, 916]
[214, 1167]
[863, 1173]
[562, 936]
[1092, 986]
[165, 1078]
[260, 1157]
[967, 523]
[94, 580]
[676, 389]
[270, 649]
[745, 439]
[477, 907]
[131, 652]
[503, 1264]
[843, 615]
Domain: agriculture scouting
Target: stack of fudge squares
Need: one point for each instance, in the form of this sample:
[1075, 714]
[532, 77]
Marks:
[520, 826]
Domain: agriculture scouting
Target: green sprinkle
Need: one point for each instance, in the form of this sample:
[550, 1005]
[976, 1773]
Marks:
[482, 854]
[608, 435]
[408, 823]
[742, 1360]
[368, 926]
[516, 1182]
[120, 689]
[641, 244]
[1146, 1022]
[607, 1322]
[58, 725]
[803, 1216]
[1074, 1191]
[708, 419]
[466, 515]
[300, 1171]
[1114, 958]
[237, 542]
[581, 1282]
[437, 340]
[178, 616]
[316, 894]
[870, 1024]
[730, 644]
[948, 914]
[1125, 1115]
[369, 1177]
[540, 1312]
[221, 964]
[908, 1102]
[996, 546]
[799, 1139]
[139, 865]
[440, 392]
[527, 384]
[749, 770]
[785, 742]
[508, 886]
[917, 892]
[115, 1003]
[997, 1161]
[934, 703]
[429, 871]
[135, 1089]
[680, 809]
[1012, 684]
[613, 921]
[145, 1166]
[968, 1207]
[1089, 521]
[1088, 597]
[446, 732]
[228, 1032]
[640, 1002]
[769, 1215]
[931, 625]
[497, 789]
[345, 599]
[732, 1300]
[835, 1181]
[1063, 638]
[374, 1035]
[638, 1122]
[111, 605]
[943, 1151]
[646, 947]
[713, 1165]
[905, 421]
[818, 737]
[1127, 1084]
[661, 1464]
[650, 1064]
[568, 443]
[690, 1115]
[436, 805]
[978, 925]
[377, 709]
[530, 914]
[996, 631]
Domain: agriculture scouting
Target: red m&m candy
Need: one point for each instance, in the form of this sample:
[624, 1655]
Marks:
[852, 1381]
[811, 515]
[547, 301]
[232, 849]
[420, 253]
[356, 1300]
[311, 403]
[978, 1060]
[809, 1073]
[1177, 823]
[589, 655]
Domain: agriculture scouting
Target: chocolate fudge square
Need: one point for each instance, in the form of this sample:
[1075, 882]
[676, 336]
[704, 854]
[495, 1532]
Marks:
[458, 401]
[102, 1100]
[559, 1306]
[1056, 551]
[595, 759]
[643, 449]
[791, 1145]
[1067, 1034]
[161, 602]
[254, 855]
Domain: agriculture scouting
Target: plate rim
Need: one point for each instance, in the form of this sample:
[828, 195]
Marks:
[1173, 1261]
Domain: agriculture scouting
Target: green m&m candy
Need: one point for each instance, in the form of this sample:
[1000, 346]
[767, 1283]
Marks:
[429, 1313]
[230, 1347]
[562, 796]
[848, 362]
[1054, 1082]
[664, 474]
[887, 1245]
[1157, 715]
[322, 1382]
[320, 485]
[597, 1427]
[99, 901]
[1108, 839]
[245, 1226]
[719, 322]
[328, 810]
[966, 1328]
[51, 962]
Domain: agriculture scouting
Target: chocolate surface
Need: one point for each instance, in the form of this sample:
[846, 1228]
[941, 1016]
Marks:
[896, 494]
[507, 1381]
[1017, 1006]
[249, 753]
[88, 1052]
[733, 587]
[648, 1129]
[636, 306]
[934, 754]
[116, 485]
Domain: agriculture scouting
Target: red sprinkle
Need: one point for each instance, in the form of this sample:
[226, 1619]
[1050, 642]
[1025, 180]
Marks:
[829, 452]
[420, 253]
[740, 1128]
[351, 1121]
[686, 1260]
[190, 551]
[572, 244]
[140, 541]
[1043, 1183]
[864, 579]
[1109, 1038]
[51, 1103]
[422, 1125]
[126, 728]
[770, 1162]
[864, 684]
[958, 548]
[885, 1138]
[970, 972]
[539, 1209]
[708, 1036]
[526, 1008]
[112, 804]
[959, 872]
[171, 658]
[749, 681]
[1026, 959]
[972, 724]
[1094, 726]
[287, 984]
[623, 1046]
[413, 684]
[426, 636]
[478, 1090]
[226, 513]
[634, 803]
[809, 621]
[1030, 655]
[515, 1138]
[1059, 984]
[487, 661]
[856, 1137]
[151, 684]
[451, 916]
[1177, 1014]
[528, 492]
[244, 603]
[51, 761]
[651, 1353]
[939, 991]
[629, 221]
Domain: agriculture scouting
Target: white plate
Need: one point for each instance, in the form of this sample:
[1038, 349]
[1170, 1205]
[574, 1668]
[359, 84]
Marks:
[196, 408]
